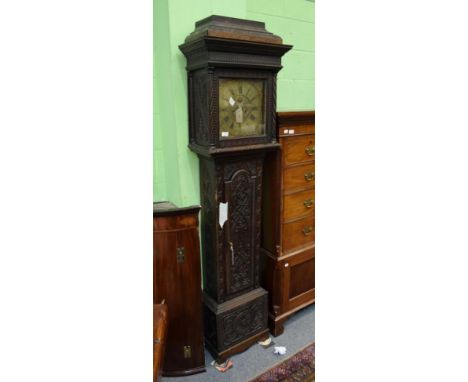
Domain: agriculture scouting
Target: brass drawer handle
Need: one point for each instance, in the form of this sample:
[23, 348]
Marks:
[308, 203]
[310, 150]
[307, 230]
[309, 176]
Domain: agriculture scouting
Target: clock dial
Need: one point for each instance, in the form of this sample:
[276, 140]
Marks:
[241, 107]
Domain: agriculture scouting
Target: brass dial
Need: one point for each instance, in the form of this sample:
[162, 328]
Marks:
[241, 107]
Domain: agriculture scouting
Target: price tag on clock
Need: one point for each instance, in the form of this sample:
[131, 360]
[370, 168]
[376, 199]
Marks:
[239, 115]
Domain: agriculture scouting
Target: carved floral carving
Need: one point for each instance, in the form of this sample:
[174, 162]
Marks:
[241, 196]
[241, 323]
[200, 91]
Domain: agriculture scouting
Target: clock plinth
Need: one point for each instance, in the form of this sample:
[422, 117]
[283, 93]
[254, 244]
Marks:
[235, 325]
[232, 66]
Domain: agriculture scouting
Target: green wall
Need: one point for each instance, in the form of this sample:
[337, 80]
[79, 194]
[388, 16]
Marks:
[175, 166]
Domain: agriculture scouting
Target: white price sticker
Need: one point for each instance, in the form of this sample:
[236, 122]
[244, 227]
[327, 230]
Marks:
[239, 115]
[223, 213]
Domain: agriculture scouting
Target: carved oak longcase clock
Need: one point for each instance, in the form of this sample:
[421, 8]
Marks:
[232, 66]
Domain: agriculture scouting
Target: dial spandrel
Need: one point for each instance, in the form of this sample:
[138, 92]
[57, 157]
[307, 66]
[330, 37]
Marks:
[241, 108]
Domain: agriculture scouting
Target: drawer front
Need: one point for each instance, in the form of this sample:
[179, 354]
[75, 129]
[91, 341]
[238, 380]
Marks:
[298, 233]
[288, 131]
[299, 177]
[298, 149]
[299, 204]
[170, 223]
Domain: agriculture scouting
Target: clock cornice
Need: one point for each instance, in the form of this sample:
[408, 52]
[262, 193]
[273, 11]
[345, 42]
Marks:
[233, 29]
[229, 42]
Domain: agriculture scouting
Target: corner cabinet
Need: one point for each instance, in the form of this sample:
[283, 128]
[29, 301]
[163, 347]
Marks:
[288, 219]
[177, 280]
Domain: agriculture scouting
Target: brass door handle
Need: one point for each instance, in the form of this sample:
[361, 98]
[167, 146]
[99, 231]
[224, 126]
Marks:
[307, 230]
[309, 176]
[310, 150]
[180, 254]
[308, 203]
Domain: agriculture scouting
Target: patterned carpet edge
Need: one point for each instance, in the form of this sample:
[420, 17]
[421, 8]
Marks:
[299, 367]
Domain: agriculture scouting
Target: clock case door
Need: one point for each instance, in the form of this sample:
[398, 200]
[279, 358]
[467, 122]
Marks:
[242, 188]
[230, 252]
[204, 109]
[268, 79]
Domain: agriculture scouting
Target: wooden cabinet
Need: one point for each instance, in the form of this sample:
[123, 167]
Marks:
[177, 280]
[288, 219]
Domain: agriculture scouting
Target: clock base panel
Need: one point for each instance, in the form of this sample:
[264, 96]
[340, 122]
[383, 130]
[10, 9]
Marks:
[233, 326]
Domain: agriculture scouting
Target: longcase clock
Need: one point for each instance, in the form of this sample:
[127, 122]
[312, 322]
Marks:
[232, 66]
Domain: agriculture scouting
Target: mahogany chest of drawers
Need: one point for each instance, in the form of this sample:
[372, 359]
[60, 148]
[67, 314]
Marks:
[177, 280]
[288, 219]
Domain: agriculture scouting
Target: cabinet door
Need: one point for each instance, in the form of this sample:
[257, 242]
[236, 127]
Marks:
[299, 276]
[176, 279]
[164, 264]
[186, 329]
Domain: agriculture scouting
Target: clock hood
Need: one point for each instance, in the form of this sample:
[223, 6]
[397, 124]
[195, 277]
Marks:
[230, 42]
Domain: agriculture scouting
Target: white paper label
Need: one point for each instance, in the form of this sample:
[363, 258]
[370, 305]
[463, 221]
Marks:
[231, 101]
[239, 115]
[291, 131]
[225, 133]
[286, 131]
[223, 213]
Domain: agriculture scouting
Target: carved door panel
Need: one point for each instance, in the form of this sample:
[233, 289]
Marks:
[239, 249]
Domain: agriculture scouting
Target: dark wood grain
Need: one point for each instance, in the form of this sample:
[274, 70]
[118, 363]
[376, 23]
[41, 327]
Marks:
[272, 202]
[235, 306]
[288, 233]
[178, 282]
[224, 47]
